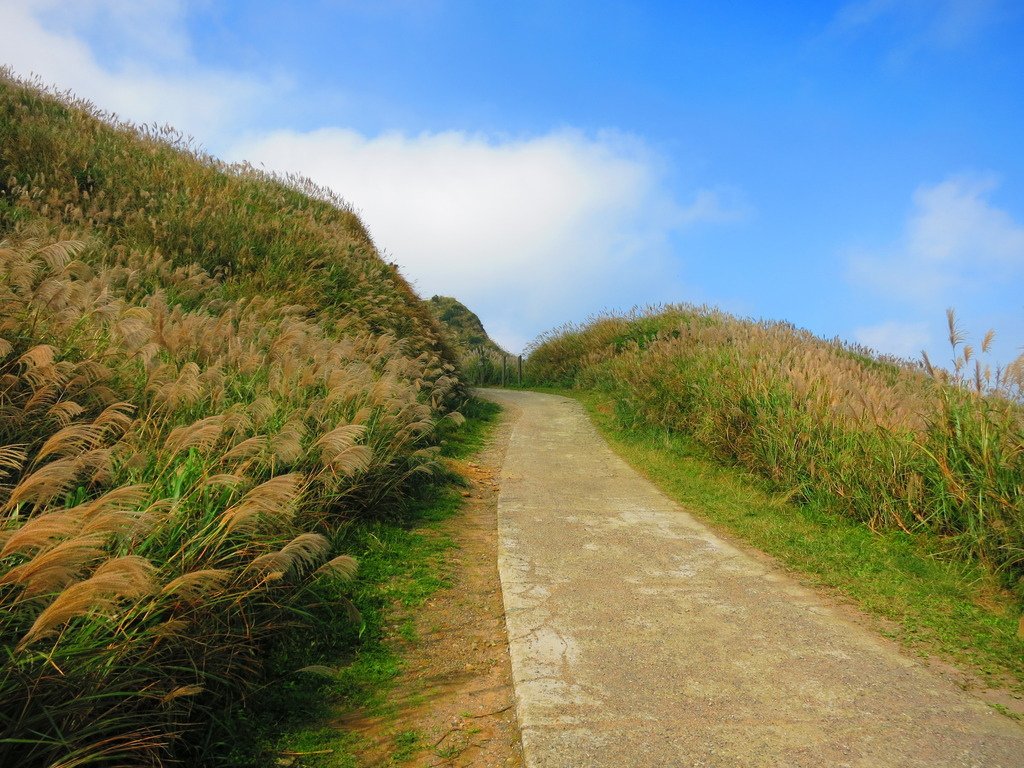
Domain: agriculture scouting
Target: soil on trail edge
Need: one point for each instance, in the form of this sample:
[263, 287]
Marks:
[455, 690]
[639, 637]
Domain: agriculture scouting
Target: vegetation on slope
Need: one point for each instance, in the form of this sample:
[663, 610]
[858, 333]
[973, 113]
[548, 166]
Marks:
[402, 565]
[206, 375]
[480, 358]
[462, 323]
[881, 441]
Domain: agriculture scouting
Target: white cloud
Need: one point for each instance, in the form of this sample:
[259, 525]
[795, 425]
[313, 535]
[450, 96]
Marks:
[130, 29]
[526, 232]
[957, 249]
[895, 338]
[917, 24]
[954, 223]
[954, 242]
[153, 77]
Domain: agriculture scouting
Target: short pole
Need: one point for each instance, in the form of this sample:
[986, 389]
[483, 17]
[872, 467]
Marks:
[520, 370]
[503, 362]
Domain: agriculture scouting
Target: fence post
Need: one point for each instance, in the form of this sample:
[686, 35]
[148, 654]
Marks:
[503, 362]
[520, 370]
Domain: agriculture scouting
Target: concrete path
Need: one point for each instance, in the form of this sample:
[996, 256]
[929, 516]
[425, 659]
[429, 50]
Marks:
[640, 638]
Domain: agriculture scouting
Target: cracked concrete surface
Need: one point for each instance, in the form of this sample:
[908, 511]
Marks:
[638, 637]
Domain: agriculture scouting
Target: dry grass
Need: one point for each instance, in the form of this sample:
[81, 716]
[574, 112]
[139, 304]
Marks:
[892, 443]
[205, 372]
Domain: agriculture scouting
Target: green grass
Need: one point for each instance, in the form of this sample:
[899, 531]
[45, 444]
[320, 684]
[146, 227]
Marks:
[324, 747]
[932, 605]
[407, 744]
[402, 563]
[470, 437]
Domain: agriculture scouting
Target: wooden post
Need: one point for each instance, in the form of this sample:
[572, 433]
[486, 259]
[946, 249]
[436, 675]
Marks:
[520, 370]
[503, 362]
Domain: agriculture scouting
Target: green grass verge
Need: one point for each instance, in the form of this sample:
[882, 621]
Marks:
[931, 605]
[469, 438]
[401, 564]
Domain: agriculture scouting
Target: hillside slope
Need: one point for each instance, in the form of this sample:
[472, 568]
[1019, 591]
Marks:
[480, 358]
[205, 374]
[463, 324]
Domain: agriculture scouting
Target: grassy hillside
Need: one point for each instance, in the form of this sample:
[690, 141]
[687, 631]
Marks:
[206, 375]
[480, 359]
[462, 323]
[884, 442]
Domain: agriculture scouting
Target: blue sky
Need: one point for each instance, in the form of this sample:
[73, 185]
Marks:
[854, 168]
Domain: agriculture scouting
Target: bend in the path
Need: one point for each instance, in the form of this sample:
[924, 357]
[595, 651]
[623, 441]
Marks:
[640, 638]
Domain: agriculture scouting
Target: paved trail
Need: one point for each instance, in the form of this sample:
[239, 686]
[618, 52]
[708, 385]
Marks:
[640, 638]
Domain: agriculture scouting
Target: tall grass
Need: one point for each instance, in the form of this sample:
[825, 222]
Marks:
[205, 373]
[483, 366]
[888, 442]
[480, 358]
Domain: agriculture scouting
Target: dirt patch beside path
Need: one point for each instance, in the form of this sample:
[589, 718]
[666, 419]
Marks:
[455, 692]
